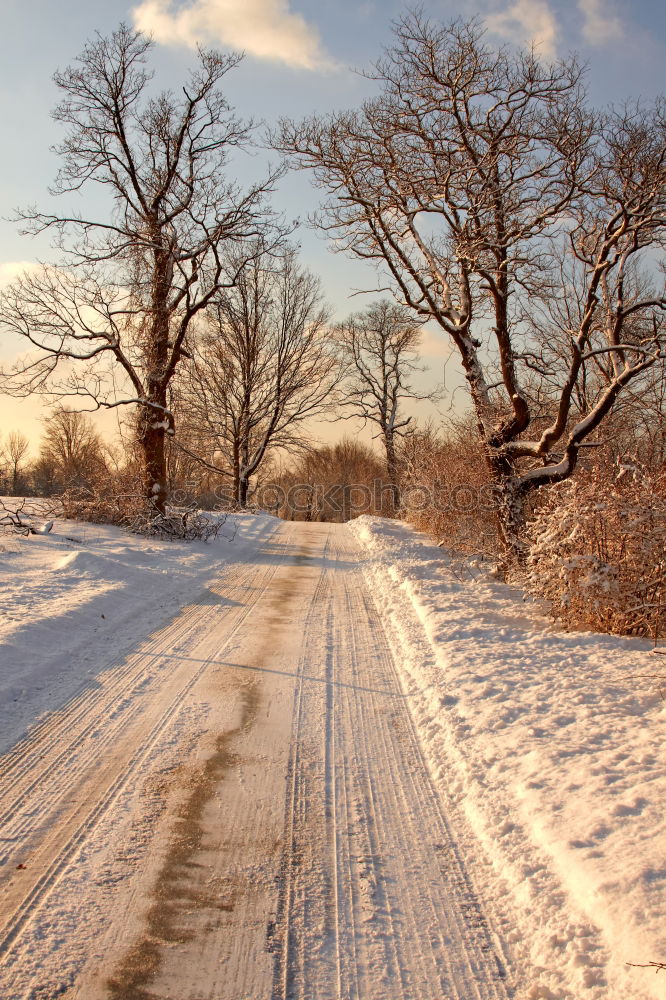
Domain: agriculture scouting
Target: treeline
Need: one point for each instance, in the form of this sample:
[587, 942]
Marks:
[71, 455]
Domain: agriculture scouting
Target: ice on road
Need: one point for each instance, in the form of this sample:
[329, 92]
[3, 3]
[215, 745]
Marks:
[240, 809]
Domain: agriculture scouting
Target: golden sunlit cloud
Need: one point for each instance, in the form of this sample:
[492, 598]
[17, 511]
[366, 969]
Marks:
[267, 29]
[527, 22]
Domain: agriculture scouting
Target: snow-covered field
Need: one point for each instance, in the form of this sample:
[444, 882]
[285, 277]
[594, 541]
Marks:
[536, 845]
[551, 744]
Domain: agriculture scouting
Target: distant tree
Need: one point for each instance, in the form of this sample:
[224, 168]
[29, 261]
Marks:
[110, 323]
[636, 429]
[71, 452]
[332, 483]
[44, 477]
[516, 218]
[262, 367]
[379, 352]
[14, 452]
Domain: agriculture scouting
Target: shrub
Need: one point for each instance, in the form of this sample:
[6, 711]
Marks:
[446, 489]
[597, 552]
[128, 508]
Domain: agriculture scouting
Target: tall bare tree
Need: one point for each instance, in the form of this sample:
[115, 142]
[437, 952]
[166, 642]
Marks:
[505, 210]
[379, 350]
[263, 366]
[14, 452]
[110, 322]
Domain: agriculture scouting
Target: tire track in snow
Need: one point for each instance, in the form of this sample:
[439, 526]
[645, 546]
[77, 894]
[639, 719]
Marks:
[21, 758]
[55, 855]
[374, 898]
[215, 889]
[100, 715]
[473, 974]
[283, 923]
[471, 918]
[84, 711]
[33, 758]
[379, 904]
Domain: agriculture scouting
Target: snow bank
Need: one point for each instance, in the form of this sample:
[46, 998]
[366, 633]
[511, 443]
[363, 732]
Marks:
[550, 745]
[74, 600]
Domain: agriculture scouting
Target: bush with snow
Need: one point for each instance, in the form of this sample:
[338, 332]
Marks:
[182, 523]
[129, 509]
[447, 490]
[597, 552]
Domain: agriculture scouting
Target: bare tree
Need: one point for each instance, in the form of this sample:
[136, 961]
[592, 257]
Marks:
[14, 452]
[379, 350]
[71, 449]
[262, 368]
[501, 207]
[110, 322]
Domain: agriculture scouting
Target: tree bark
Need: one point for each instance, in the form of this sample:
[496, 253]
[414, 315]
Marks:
[392, 472]
[509, 508]
[243, 489]
[151, 438]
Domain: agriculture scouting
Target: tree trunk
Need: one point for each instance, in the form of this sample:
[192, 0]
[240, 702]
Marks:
[509, 511]
[151, 438]
[243, 488]
[392, 472]
[236, 471]
[154, 422]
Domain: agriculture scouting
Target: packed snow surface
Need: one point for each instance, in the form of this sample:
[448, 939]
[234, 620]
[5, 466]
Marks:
[317, 761]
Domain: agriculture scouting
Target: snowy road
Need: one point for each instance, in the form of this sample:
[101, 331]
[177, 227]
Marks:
[241, 809]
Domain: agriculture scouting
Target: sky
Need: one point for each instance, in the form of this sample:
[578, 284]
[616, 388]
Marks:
[301, 56]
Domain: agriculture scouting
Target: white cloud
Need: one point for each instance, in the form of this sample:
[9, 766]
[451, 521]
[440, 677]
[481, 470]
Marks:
[266, 29]
[600, 25]
[529, 22]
